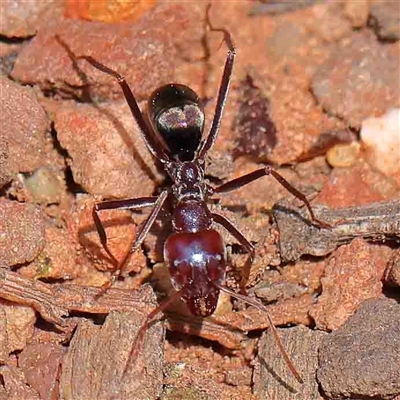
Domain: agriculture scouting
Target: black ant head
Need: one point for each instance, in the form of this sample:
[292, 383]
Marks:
[176, 113]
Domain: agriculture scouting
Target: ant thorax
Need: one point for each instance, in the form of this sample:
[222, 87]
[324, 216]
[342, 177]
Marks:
[188, 180]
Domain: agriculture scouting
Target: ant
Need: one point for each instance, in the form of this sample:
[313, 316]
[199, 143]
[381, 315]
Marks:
[194, 253]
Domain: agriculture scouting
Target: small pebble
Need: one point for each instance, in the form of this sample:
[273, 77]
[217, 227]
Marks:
[343, 155]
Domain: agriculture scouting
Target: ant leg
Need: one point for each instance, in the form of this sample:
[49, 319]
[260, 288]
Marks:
[219, 219]
[223, 90]
[252, 176]
[155, 144]
[129, 204]
[143, 231]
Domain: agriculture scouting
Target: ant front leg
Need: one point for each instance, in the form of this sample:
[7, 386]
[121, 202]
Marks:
[223, 90]
[156, 145]
[133, 204]
[245, 273]
[259, 173]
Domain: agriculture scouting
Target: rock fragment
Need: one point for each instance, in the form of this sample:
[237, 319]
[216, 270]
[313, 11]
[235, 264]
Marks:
[23, 128]
[357, 185]
[108, 155]
[392, 273]
[361, 360]
[380, 137]
[19, 325]
[357, 12]
[348, 281]
[354, 84]
[385, 19]
[142, 51]
[23, 18]
[22, 232]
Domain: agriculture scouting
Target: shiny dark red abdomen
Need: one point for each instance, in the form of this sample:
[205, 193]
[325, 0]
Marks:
[195, 261]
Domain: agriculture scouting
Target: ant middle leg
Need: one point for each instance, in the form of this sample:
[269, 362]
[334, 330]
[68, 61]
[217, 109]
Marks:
[128, 204]
[245, 272]
[259, 173]
[157, 202]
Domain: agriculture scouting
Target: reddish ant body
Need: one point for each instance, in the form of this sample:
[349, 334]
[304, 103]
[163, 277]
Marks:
[194, 252]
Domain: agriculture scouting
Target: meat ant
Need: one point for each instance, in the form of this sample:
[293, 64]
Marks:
[194, 252]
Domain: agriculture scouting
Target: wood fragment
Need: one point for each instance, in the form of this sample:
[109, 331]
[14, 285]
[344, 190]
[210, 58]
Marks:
[290, 311]
[375, 222]
[3, 337]
[271, 377]
[56, 301]
[98, 355]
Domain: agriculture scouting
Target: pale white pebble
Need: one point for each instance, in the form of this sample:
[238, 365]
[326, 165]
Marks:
[380, 138]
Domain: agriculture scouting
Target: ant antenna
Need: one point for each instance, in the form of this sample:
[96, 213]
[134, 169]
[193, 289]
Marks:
[149, 319]
[275, 333]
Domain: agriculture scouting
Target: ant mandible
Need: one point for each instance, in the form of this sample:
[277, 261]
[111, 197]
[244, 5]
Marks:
[194, 253]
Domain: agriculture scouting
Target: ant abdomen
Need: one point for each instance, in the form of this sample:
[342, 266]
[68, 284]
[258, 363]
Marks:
[177, 114]
[197, 261]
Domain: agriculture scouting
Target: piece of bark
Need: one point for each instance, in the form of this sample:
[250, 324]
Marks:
[229, 337]
[290, 311]
[298, 236]
[55, 301]
[98, 356]
[272, 378]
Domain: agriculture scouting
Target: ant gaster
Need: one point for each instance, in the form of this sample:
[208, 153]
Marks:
[194, 253]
